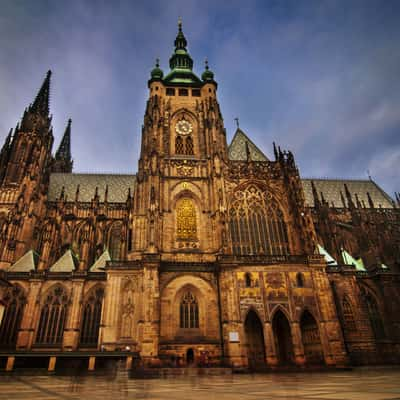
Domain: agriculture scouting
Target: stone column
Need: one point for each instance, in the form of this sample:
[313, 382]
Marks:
[72, 326]
[298, 347]
[151, 307]
[109, 321]
[269, 342]
[30, 317]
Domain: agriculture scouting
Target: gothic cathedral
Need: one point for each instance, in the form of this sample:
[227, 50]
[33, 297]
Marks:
[210, 255]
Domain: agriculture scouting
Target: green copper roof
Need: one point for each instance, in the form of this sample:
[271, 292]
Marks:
[348, 259]
[208, 75]
[181, 63]
[328, 258]
[156, 72]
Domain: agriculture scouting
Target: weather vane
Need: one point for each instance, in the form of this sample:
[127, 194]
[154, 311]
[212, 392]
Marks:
[237, 122]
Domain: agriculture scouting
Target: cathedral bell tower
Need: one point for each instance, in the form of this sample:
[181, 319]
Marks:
[25, 161]
[180, 193]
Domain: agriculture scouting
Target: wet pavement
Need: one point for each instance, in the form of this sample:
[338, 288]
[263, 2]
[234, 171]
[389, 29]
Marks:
[357, 384]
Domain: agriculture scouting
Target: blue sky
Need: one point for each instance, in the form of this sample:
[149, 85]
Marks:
[320, 78]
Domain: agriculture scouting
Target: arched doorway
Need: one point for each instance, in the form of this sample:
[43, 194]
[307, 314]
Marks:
[311, 339]
[283, 338]
[255, 340]
[189, 357]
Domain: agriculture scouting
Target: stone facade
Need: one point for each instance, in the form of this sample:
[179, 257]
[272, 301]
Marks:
[210, 255]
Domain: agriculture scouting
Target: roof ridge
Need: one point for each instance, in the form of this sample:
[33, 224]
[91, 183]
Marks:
[337, 179]
[93, 173]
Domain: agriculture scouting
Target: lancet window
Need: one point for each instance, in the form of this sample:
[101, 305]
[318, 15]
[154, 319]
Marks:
[15, 301]
[91, 318]
[299, 280]
[348, 317]
[189, 311]
[179, 146]
[256, 223]
[52, 317]
[186, 229]
[375, 316]
[184, 145]
[115, 240]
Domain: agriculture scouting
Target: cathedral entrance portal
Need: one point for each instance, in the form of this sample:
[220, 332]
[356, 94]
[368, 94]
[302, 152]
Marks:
[311, 339]
[255, 341]
[283, 338]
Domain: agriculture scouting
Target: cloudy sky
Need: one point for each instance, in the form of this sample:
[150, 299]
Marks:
[320, 78]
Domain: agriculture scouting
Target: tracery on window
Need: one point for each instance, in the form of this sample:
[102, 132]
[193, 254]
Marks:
[189, 311]
[91, 318]
[184, 145]
[348, 317]
[374, 316]
[15, 301]
[256, 224]
[186, 229]
[179, 147]
[189, 148]
[115, 240]
[52, 317]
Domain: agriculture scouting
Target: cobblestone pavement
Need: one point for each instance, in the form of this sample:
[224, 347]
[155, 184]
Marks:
[365, 384]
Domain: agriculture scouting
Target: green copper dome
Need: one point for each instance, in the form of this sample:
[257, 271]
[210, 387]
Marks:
[207, 75]
[157, 73]
[181, 63]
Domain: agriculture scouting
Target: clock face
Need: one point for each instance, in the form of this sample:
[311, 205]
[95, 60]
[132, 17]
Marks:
[183, 127]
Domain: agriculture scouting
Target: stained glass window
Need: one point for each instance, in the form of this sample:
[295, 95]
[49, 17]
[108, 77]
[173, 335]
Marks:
[256, 224]
[189, 311]
[91, 318]
[186, 220]
[14, 300]
[52, 317]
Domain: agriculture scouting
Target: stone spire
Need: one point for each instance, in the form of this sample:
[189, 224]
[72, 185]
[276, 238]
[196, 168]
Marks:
[42, 100]
[63, 159]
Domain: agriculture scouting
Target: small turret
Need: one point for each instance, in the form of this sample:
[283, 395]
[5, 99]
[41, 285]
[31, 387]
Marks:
[63, 160]
[42, 100]
[208, 75]
[156, 72]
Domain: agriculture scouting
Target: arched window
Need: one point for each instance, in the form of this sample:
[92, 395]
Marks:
[186, 226]
[114, 243]
[375, 316]
[179, 148]
[348, 317]
[91, 318]
[52, 317]
[247, 279]
[189, 311]
[256, 224]
[299, 280]
[15, 301]
[189, 147]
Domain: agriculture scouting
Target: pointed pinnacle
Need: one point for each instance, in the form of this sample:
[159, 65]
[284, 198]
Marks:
[42, 100]
[64, 150]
